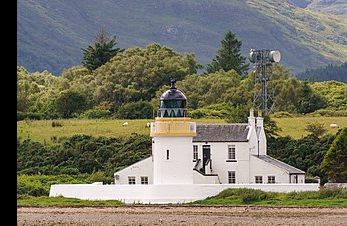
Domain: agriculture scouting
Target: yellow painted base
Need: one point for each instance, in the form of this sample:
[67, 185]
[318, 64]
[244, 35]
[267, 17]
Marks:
[173, 127]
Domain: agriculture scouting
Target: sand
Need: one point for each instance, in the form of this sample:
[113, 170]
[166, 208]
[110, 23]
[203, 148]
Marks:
[181, 215]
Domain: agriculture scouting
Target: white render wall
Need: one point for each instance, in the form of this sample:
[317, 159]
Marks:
[201, 179]
[178, 168]
[219, 156]
[262, 168]
[160, 194]
[143, 168]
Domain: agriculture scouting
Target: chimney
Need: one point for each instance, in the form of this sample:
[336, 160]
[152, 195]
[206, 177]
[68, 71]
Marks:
[260, 119]
[251, 118]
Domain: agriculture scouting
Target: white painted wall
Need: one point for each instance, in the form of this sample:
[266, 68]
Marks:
[178, 168]
[143, 168]
[261, 136]
[300, 180]
[160, 194]
[201, 179]
[264, 169]
[220, 165]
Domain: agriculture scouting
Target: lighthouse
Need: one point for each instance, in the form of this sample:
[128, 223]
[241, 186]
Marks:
[172, 135]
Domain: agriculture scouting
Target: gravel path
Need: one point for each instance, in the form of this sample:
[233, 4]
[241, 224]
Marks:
[181, 215]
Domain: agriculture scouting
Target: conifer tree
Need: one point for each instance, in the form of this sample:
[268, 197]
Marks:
[229, 56]
[102, 51]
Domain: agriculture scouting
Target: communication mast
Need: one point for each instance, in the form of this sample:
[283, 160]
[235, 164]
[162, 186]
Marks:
[263, 60]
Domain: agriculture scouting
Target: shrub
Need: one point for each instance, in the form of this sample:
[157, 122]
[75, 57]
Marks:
[29, 115]
[56, 124]
[330, 113]
[246, 195]
[252, 195]
[96, 114]
[282, 114]
[136, 110]
[39, 185]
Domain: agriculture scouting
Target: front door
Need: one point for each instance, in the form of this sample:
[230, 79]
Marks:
[206, 155]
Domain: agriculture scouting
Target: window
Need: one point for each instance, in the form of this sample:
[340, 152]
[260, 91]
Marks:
[144, 180]
[195, 152]
[258, 179]
[167, 154]
[131, 180]
[271, 180]
[231, 152]
[231, 177]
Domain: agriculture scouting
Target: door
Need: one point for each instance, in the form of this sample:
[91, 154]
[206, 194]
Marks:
[206, 155]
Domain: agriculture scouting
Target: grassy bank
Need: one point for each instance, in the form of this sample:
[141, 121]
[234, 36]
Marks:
[44, 131]
[44, 201]
[243, 196]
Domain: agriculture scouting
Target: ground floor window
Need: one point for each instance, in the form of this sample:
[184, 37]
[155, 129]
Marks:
[131, 180]
[271, 180]
[231, 177]
[258, 179]
[144, 180]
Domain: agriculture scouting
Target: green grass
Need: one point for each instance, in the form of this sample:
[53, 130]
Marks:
[43, 131]
[295, 127]
[44, 201]
[244, 196]
[238, 196]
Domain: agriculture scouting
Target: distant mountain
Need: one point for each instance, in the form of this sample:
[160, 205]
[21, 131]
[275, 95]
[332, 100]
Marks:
[51, 33]
[335, 7]
[330, 72]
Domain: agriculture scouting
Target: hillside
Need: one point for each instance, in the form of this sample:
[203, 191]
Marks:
[51, 33]
[330, 72]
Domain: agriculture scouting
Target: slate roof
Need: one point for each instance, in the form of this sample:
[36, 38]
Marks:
[221, 132]
[282, 165]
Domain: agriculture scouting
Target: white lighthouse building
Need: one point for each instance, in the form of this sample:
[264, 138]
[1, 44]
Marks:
[184, 152]
[192, 161]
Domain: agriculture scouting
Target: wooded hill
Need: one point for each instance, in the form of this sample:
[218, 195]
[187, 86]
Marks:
[50, 34]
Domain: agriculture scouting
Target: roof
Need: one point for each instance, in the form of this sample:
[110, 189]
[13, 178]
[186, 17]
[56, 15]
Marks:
[173, 94]
[290, 169]
[221, 132]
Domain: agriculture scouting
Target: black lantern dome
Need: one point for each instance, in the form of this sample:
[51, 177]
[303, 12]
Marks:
[173, 103]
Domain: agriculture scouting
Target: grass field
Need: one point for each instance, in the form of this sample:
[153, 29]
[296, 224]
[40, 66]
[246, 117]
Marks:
[295, 127]
[43, 131]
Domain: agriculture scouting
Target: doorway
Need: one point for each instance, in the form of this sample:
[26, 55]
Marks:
[206, 155]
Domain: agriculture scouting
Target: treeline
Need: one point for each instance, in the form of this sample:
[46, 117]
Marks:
[336, 72]
[128, 83]
[129, 86]
[86, 157]
[81, 154]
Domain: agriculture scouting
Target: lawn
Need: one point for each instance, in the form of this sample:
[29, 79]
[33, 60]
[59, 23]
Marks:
[44, 131]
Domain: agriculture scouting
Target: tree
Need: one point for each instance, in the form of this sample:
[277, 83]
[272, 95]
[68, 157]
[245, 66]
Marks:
[309, 101]
[335, 160]
[71, 102]
[316, 129]
[136, 110]
[102, 51]
[229, 56]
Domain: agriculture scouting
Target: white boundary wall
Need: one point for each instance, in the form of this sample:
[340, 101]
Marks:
[161, 194]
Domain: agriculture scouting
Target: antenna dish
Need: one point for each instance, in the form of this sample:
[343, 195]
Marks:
[275, 56]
